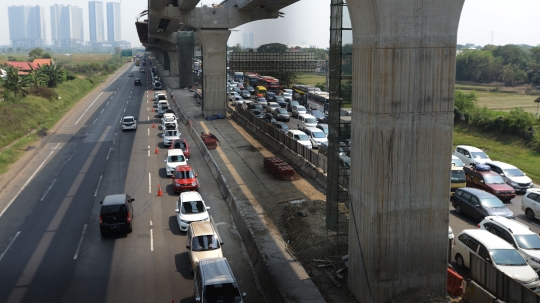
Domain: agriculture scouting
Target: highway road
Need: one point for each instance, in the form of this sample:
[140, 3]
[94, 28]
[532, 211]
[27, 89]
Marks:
[50, 246]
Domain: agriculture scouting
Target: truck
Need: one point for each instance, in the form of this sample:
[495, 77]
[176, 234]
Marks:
[137, 62]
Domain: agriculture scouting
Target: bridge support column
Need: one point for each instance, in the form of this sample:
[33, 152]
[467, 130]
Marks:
[214, 52]
[186, 48]
[166, 61]
[173, 63]
[402, 102]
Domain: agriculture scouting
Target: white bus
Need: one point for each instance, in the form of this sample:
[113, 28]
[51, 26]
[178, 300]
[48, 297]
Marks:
[318, 100]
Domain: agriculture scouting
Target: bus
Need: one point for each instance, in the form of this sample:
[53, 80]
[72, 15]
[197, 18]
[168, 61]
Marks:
[299, 90]
[239, 77]
[271, 84]
[251, 78]
[317, 100]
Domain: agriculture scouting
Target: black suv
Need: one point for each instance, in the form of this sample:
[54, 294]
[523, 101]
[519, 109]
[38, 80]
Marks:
[138, 82]
[116, 214]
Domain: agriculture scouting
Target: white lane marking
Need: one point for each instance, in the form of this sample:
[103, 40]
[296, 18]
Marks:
[71, 156]
[149, 183]
[127, 102]
[98, 185]
[148, 118]
[151, 223]
[111, 97]
[47, 191]
[88, 108]
[109, 153]
[151, 239]
[28, 181]
[107, 103]
[148, 131]
[124, 110]
[102, 111]
[80, 242]
[94, 122]
[11, 242]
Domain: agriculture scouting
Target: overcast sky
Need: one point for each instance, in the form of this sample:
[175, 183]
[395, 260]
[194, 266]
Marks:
[307, 22]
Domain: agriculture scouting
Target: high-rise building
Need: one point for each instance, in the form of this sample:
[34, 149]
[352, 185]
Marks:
[67, 26]
[248, 40]
[97, 23]
[27, 26]
[113, 21]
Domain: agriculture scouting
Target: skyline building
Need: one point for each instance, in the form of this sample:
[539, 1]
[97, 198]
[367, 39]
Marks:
[67, 26]
[113, 22]
[96, 21]
[27, 26]
[248, 41]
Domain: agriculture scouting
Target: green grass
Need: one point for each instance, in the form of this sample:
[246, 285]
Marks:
[311, 79]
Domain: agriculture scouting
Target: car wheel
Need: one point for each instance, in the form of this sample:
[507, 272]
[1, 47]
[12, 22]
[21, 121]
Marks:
[458, 209]
[103, 234]
[529, 213]
[130, 230]
[459, 261]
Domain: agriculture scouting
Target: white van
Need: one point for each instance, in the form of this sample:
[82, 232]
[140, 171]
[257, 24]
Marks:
[306, 120]
[214, 282]
[496, 252]
[301, 137]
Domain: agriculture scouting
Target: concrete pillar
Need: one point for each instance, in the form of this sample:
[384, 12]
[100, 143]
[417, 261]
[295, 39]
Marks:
[402, 103]
[214, 53]
[173, 68]
[186, 48]
[166, 61]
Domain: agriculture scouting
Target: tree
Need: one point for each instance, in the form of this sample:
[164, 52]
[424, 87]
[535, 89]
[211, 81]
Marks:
[36, 78]
[55, 74]
[10, 50]
[286, 79]
[272, 48]
[46, 56]
[236, 48]
[15, 83]
[36, 53]
[512, 54]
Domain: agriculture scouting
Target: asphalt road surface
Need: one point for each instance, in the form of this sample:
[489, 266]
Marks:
[50, 246]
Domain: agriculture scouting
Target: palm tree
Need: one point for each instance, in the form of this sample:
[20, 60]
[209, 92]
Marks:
[15, 83]
[36, 77]
[54, 73]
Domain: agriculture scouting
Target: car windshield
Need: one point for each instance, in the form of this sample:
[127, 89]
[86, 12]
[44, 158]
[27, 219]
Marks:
[507, 257]
[292, 103]
[318, 135]
[324, 128]
[491, 202]
[274, 105]
[284, 126]
[457, 162]
[479, 155]
[530, 241]
[493, 179]
[207, 242]
[222, 293]
[164, 107]
[311, 120]
[128, 119]
[300, 108]
[171, 133]
[301, 137]
[279, 98]
[458, 176]
[513, 172]
[282, 111]
[184, 174]
[177, 158]
[193, 207]
[316, 113]
[180, 145]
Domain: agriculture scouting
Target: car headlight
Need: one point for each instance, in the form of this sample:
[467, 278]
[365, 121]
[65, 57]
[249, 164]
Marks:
[184, 221]
[177, 184]
[194, 183]
[513, 184]
[497, 191]
[535, 259]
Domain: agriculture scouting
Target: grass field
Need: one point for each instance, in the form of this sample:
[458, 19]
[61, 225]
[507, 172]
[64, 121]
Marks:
[311, 79]
[503, 100]
[63, 59]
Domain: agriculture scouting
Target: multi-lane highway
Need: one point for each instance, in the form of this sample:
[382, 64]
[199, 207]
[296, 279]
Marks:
[50, 246]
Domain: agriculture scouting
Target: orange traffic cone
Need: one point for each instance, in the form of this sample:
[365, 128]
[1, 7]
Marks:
[159, 193]
[153, 125]
[157, 150]
[152, 109]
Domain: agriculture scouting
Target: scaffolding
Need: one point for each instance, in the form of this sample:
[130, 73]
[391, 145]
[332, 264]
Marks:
[339, 127]
[274, 62]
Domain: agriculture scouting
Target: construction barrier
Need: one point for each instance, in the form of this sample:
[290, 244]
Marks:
[454, 283]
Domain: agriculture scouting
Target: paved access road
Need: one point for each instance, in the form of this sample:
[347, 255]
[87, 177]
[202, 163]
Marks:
[50, 246]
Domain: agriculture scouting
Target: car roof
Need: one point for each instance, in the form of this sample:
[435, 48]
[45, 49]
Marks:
[306, 116]
[514, 226]
[184, 168]
[489, 240]
[114, 199]
[500, 164]
[202, 228]
[455, 158]
[175, 152]
[296, 131]
[314, 129]
[216, 271]
[190, 196]
[470, 148]
[477, 192]
[132, 117]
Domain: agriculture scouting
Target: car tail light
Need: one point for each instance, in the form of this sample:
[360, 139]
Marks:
[478, 225]
[100, 220]
[129, 217]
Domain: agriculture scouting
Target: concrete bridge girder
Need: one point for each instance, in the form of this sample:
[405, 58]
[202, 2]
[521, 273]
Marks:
[402, 100]
[247, 5]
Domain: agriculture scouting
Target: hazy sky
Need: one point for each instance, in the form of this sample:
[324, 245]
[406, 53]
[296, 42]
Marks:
[307, 22]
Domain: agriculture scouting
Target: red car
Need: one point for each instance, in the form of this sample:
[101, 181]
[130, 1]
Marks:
[183, 145]
[184, 179]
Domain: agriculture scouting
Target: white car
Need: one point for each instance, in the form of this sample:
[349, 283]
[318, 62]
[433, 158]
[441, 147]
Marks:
[237, 101]
[300, 137]
[169, 135]
[495, 251]
[271, 107]
[530, 203]
[232, 95]
[190, 207]
[469, 155]
[316, 136]
[450, 233]
[160, 95]
[168, 117]
[174, 158]
[456, 162]
[298, 110]
[157, 85]
[518, 235]
[512, 175]
[128, 122]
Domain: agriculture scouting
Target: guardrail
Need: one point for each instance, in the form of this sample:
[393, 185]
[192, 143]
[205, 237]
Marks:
[499, 284]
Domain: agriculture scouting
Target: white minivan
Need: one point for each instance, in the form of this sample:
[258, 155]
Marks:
[471, 155]
[300, 137]
[496, 252]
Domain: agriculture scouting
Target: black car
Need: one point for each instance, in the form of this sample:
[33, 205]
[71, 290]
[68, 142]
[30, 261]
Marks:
[281, 101]
[137, 82]
[269, 118]
[291, 104]
[255, 106]
[250, 89]
[320, 116]
[282, 127]
[116, 214]
[270, 96]
[479, 204]
[258, 113]
[282, 114]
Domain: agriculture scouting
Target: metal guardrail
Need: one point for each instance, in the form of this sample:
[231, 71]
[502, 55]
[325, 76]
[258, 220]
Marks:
[499, 284]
